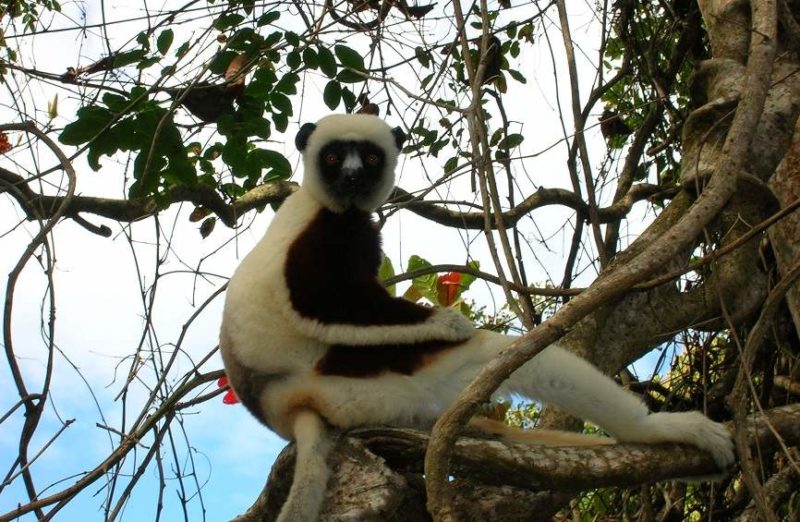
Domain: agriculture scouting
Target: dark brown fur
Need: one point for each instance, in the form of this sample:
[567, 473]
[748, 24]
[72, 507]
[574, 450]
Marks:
[332, 274]
[371, 361]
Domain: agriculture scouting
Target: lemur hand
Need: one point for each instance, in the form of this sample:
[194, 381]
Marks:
[452, 324]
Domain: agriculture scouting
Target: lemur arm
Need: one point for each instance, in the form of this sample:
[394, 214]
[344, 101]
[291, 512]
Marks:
[364, 313]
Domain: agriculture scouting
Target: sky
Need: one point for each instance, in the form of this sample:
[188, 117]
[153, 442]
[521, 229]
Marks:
[99, 281]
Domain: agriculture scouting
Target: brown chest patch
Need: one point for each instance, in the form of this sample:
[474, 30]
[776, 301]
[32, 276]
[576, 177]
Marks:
[371, 361]
[332, 274]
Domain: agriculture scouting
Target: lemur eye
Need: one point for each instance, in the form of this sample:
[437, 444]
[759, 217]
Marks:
[372, 159]
[331, 158]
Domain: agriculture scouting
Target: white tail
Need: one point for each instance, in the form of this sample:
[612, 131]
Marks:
[311, 471]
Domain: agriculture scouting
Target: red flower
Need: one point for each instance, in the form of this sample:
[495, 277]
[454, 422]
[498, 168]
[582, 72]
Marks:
[230, 396]
[5, 145]
[447, 287]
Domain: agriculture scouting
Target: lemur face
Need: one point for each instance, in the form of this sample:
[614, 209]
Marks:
[351, 171]
[349, 160]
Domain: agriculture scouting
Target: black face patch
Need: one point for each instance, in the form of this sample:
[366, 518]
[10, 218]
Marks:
[301, 139]
[351, 170]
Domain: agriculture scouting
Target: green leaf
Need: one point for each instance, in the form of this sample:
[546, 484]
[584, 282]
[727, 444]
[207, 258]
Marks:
[349, 57]
[207, 226]
[245, 40]
[348, 76]
[219, 64]
[164, 41]
[500, 84]
[281, 102]
[91, 120]
[292, 38]
[511, 141]
[277, 162]
[517, 76]
[104, 143]
[511, 31]
[148, 62]
[450, 165]
[349, 99]
[293, 59]
[385, 272]
[273, 38]
[266, 75]
[128, 57]
[332, 94]
[228, 20]
[258, 90]
[468, 279]
[182, 50]
[426, 284]
[310, 58]
[327, 62]
[115, 102]
[143, 40]
[425, 81]
[268, 18]
[288, 84]
[281, 121]
[422, 56]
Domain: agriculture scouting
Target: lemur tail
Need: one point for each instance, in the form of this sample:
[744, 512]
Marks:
[311, 471]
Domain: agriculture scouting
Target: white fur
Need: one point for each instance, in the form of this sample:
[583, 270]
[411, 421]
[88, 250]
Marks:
[352, 162]
[555, 376]
[265, 334]
[349, 127]
[257, 305]
[311, 469]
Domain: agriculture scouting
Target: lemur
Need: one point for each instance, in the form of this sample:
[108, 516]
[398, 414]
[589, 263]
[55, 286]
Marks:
[313, 343]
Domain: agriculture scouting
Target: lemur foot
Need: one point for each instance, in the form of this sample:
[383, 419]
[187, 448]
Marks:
[687, 427]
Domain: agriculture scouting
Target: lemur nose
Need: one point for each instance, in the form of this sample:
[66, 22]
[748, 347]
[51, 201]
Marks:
[352, 179]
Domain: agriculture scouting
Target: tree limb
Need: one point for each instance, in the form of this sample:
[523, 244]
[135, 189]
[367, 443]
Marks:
[501, 474]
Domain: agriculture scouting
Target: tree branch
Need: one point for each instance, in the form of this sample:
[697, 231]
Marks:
[500, 473]
[35, 204]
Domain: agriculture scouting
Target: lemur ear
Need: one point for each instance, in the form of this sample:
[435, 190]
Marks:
[301, 140]
[399, 137]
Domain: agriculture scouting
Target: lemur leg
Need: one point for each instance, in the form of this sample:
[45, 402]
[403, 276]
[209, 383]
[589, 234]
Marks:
[311, 471]
[563, 379]
[538, 436]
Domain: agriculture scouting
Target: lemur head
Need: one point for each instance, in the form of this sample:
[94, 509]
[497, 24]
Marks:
[349, 160]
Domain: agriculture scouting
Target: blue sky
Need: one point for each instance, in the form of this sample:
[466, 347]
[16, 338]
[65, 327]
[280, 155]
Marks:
[99, 320]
